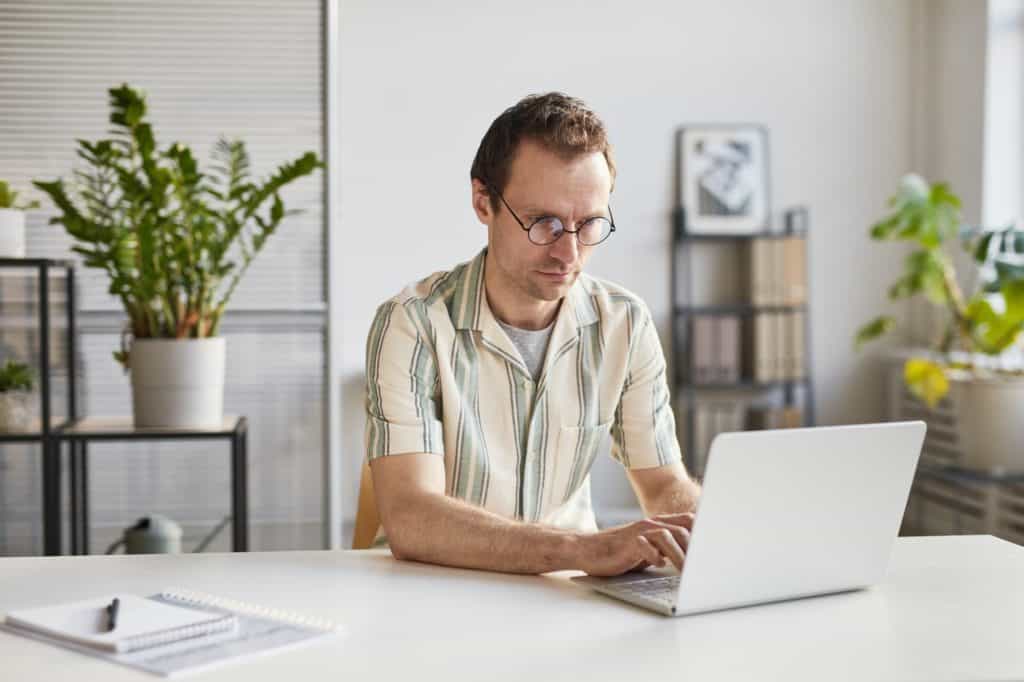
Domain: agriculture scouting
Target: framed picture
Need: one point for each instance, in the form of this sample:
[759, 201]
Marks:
[723, 178]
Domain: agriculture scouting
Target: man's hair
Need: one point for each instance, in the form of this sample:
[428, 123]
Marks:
[560, 123]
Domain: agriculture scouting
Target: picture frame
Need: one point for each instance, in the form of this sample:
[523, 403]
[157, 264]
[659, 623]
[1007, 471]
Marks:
[723, 184]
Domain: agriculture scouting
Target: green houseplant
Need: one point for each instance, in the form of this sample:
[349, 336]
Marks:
[16, 383]
[175, 242]
[979, 326]
[12, 222]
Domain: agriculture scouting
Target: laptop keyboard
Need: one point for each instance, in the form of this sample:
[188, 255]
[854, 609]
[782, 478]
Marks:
[662, 589]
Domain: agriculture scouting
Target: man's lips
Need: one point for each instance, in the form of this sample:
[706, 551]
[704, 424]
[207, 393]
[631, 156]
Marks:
[556, 275]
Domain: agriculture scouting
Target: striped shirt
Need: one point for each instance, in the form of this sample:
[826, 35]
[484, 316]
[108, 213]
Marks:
[443, 377]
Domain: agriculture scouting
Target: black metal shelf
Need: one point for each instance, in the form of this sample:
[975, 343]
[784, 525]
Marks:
[53, 431]
[56, 263]
[80, 432]
[745, 385]
[34, 436]
[684, 309]
[680, 233]
[958, 474]
[49, 424]
[744, 309]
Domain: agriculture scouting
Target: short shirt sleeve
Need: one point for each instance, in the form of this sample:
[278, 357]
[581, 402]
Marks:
[402, 413]
[644, 427]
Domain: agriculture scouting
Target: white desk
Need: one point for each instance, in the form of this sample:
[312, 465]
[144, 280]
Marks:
[951, 608]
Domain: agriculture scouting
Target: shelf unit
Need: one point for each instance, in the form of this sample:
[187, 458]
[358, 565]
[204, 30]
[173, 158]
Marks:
[48, 424]
[80, 432]
[52, 432]
[685, 309]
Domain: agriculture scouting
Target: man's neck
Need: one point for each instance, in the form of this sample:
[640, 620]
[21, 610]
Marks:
[513, 308]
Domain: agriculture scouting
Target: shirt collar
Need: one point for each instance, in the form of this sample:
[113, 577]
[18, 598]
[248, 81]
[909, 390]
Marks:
[470, 310]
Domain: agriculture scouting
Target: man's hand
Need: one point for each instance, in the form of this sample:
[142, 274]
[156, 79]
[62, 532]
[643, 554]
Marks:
[637, 545]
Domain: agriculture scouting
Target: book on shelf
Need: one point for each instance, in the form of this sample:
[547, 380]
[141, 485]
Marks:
[761, 275]
[775, 343]
[710, 419]
[778, 270]
[715, 353]
[794, 279]
[766, 417]
[728, 349]
[795, 345]
[702, 352]
[761, 344]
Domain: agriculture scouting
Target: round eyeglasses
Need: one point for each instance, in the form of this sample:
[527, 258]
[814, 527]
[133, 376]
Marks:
[549, 229]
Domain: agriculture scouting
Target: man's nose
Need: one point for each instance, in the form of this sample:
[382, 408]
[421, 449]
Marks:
[566, 249]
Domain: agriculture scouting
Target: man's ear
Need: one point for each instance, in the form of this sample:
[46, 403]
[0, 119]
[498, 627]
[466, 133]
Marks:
[482, 203]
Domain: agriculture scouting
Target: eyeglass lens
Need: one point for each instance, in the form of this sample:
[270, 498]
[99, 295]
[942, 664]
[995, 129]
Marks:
[548, 230]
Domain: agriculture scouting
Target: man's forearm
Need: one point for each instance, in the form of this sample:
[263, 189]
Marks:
[677, 497]
[438, 529]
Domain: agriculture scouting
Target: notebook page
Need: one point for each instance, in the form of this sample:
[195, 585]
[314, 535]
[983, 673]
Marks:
[140, 622]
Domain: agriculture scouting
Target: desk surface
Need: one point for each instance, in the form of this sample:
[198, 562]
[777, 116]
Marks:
[950, 608]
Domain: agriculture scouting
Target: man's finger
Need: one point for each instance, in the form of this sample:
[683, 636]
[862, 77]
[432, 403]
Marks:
[649, 553]
[667, 545]
[685, 520]
[680, 533]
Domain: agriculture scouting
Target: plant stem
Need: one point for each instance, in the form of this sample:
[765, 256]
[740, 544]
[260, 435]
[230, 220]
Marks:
[958, 307]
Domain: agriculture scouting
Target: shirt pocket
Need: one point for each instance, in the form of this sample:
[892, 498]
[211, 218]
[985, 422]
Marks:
[575, 453]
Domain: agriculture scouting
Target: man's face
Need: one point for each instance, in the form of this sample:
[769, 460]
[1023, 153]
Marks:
[543, 184]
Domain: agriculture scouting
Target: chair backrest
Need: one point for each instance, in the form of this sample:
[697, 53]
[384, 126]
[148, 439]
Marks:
[367, 518]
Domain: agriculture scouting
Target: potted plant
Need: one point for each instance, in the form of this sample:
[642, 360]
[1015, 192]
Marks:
[12, 222]
[175, 242]
[15, 397]
[967, 359]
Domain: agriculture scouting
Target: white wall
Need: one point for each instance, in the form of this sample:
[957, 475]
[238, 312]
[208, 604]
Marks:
[420, 83]
[948, 120]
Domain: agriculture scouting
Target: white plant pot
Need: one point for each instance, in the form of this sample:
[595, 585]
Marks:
[15, 411]
[12, 233]
[989, 414]
[178, 383]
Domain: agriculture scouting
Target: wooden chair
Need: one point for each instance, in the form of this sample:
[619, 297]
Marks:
[367, 518]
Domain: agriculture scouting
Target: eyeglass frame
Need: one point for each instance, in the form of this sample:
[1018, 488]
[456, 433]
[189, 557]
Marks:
[610, 219]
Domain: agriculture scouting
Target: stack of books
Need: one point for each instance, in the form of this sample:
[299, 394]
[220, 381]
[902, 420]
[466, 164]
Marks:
[776, 342]
[711, 418]
[768, 344]
[715, 356]
[761, 417]
[778, 277]
[778, 270]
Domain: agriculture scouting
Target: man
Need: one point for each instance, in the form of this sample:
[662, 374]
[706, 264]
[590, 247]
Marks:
[490, 387]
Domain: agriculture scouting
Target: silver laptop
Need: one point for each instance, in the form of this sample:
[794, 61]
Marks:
[786, 514]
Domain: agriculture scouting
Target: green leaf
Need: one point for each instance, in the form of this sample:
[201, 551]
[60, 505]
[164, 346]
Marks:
[884, 229]
[941, 194]
[982, 247]
[905, 286]
[980, 311]
[277, 209]
[15, 376]
[926, 380]
[1009, 267]
[872, 330]
[1013, 296]
[9, 199]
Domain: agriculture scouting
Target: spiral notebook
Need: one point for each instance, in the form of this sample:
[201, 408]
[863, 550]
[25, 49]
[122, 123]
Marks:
[171, 633]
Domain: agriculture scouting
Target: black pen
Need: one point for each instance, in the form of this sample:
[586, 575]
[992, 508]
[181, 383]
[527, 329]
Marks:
[112, 614]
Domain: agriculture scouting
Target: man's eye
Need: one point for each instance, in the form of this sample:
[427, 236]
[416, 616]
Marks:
[548, 223]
